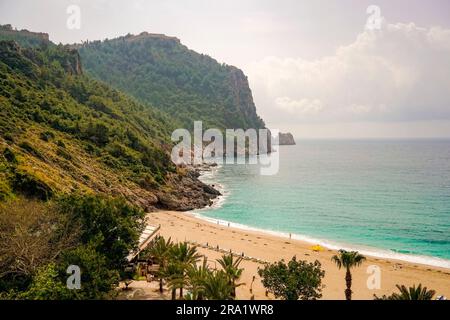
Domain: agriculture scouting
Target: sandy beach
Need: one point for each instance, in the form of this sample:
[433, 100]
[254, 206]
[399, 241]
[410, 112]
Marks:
[184, 226]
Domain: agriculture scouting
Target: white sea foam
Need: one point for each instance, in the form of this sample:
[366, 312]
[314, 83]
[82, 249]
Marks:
[209, 177]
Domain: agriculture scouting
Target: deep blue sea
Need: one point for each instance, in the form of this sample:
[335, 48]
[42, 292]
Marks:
[384, 198]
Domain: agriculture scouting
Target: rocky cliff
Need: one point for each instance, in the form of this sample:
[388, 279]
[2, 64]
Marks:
[286, 139]
[161, 71]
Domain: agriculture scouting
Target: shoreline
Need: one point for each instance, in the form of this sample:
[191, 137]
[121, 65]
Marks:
[328, 244]
[367, 250]
[266, 247]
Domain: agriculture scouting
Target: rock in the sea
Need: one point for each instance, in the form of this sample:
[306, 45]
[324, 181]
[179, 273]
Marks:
[286, 139]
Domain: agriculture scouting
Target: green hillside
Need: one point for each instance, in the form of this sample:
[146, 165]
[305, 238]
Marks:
[79, 161]
[159, 70]
[62, 132]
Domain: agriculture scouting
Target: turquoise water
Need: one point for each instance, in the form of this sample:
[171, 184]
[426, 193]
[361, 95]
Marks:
[383, 197]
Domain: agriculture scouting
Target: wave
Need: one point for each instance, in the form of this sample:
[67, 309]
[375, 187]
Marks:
[210, 177]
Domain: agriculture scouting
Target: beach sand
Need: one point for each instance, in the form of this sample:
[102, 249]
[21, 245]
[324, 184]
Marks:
[184, 226]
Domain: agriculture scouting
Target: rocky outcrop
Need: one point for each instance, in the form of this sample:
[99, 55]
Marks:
[73, 63]
[243, 99]
[147, 35]
[23, 37]
[187, 192]
[286, 139]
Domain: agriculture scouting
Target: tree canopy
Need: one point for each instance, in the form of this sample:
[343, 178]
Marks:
[294, 280]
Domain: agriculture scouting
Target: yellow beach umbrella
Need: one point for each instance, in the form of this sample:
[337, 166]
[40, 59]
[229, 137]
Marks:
[316, 248]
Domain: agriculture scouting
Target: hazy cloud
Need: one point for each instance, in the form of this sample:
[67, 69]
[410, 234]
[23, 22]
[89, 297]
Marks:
[398, 73]
[299, 107]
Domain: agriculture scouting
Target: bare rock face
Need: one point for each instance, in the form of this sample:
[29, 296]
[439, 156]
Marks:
[286, 139]
[73, 62]
[187, 193]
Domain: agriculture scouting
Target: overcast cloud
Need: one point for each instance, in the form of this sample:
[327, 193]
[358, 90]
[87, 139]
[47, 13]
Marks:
[313, 68]
[398, 73]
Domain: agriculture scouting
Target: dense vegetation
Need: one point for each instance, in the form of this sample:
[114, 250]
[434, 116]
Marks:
[61, 131]
[161, 71]
[63, 138]
[294, 280]
[411, 293]
[39, 241]
[182, 267]
[76, 156]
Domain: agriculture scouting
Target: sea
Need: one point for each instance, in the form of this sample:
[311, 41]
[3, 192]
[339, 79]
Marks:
[383, 198]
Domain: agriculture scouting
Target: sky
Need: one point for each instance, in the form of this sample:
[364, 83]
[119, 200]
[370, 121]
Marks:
[319, 69]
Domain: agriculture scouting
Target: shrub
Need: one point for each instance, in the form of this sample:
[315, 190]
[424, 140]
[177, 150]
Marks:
[8, 137]
[5, 190]
[32, 186]
[47, 284]
[47, 136]
[293, 280]
[10, 156]
[111, 224]
[60, 143]
[148, 182]
[63, 153]
[26, 146]
[32, 235]
[98, 280]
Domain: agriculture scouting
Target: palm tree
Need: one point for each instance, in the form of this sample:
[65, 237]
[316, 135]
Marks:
[196, 277]
[348, 260]
[411, 293]
[231, 268]
[174, 276]
[160, 250]
[183, 256]
[217, 286]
